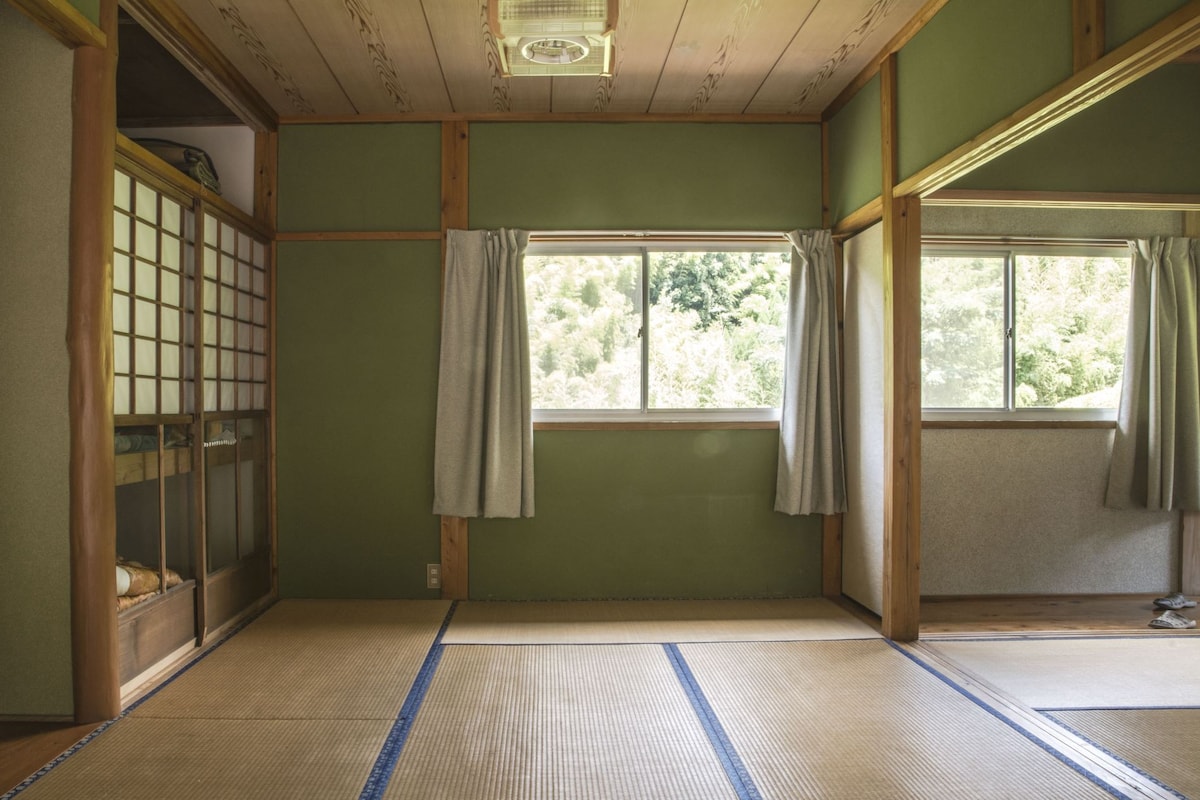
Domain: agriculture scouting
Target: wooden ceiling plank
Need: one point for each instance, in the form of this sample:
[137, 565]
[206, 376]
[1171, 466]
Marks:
[723, 51]
[470, 62]
[267, 43]
[839, 40]
[381, 52]
[641, 44]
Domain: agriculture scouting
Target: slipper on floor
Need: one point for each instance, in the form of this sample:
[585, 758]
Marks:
[1175, 601]
[1172, 619]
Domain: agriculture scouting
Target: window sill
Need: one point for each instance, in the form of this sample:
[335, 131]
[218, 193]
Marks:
[1016, 424]
[656, 425]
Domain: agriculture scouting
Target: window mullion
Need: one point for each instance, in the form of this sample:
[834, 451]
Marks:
[1010, 332]
[645, 384]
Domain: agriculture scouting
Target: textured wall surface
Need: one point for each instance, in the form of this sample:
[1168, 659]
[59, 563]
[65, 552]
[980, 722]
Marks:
[35, 163]
[1021, 512]
[862, 526]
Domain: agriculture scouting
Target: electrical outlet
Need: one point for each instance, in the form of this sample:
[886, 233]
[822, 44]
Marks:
[433, 576]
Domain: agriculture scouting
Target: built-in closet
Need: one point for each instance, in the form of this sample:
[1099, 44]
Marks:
[191, 402]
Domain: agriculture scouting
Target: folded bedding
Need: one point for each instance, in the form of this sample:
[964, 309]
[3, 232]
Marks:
[135, 580]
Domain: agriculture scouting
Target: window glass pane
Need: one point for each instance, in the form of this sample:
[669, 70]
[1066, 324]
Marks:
[121, 355]
[144, 397]
[228, 238]
[210, 328]
[147, 203]
[146, 280]
[1070, 315]
[210, 262]
[227, 396]
[210, 230]
[121, 190]
[170, 361]
[170, 288]
[170, 325]
[584, 318]
[121, 232]
[120, 313]
[170, 397]
[171, 219]
[145, 357]
[147, 241]
[121, 396]
[169, 251]
[210, 362]
[210, 395]
[717, 329]
[962, 331]
[145, 321]
[121, 272]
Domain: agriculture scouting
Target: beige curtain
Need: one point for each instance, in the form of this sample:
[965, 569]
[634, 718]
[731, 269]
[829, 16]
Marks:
[811, 478]
[483, 456]
[1156, 451]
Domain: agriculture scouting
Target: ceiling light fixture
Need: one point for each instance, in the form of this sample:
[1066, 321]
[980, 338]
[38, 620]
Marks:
[554, 37]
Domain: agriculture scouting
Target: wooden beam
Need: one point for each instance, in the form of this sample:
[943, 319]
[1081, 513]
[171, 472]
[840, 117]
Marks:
[546, 116]
[1190, 527]
[266, 208]
[1028, 199]
[859, 220]
[902, 386]
[455, 153]
[1160, 44]
[93, 526]
[1088, 35]
[357, 236]
[175, 31]
[62, 21]
[266, 177]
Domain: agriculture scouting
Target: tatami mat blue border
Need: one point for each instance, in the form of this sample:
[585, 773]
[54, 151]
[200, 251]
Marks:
[389, 754]
[1110, 753]
[946, 679]
[743, 784]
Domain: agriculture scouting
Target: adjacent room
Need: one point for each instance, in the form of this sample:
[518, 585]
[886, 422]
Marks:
[600, 398]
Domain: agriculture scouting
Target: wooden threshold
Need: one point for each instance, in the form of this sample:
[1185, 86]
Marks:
[1067, 614]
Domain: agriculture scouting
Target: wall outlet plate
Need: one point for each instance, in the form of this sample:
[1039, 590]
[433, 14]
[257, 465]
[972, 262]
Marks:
[433, 576]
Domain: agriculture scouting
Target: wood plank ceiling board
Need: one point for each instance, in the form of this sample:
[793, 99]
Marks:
[381, 52]
[470, 62]
[641, 44]
[271, 48]
[839, 40]
[723, 50]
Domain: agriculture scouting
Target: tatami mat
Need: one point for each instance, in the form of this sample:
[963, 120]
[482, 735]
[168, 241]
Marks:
[557, 722]
[304, 659]
[1085, 673]
[202, 759]
[859, 720]
[1161, 742]
[652, 621]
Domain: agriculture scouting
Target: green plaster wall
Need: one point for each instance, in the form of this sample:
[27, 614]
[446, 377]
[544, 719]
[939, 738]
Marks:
[976, 62]
[89, 8]
[620, 514]
[650, 514]
[360, 177]
[856, 152]
[679, 176]
[1124, 19]
[357, 353]
[35, 171]
[1114, 145]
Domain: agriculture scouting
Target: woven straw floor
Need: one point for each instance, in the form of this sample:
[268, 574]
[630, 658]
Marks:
[652, 621]
[1086, 673]
[782, 699]
[1161, 742]
[859, 720]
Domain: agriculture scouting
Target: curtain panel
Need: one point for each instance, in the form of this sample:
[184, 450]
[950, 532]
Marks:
[1156, 450]
[483, 445]
[811, 475]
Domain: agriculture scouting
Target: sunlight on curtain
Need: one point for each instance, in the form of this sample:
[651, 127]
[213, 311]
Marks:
[1156, 451]
[811, 478]
[483, 456]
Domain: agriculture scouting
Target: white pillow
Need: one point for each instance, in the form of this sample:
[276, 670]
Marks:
[122, 581]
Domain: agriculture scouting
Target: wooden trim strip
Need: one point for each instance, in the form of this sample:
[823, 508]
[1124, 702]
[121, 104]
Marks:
[163, 20]
[1168, 39]
[1016, 424]
[902, 37]
[547, 116]
[92, 470]
[132, 156]
[356, 236]
[1189, 556]
[858, 221]
[1087, 18]
[1027, 199]
[62, 21]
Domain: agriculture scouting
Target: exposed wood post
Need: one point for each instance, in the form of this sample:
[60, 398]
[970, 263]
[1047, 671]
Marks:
[455, 141]
[902, 386]
[1088, 34]
[1190, 527]
[93, 536]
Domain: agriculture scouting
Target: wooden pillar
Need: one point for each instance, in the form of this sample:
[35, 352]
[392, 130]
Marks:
[266, 179]
[902, 386]
[97, 693]
[455, 141]
[1190, 549]
[1088, 21]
